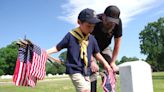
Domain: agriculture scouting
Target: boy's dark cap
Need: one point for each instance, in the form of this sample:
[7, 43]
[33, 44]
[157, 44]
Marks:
[113, 13]
[89, 16]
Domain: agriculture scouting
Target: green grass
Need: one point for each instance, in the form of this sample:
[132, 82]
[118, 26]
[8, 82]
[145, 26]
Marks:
[42, 86]
[158, 82]
[65, 85]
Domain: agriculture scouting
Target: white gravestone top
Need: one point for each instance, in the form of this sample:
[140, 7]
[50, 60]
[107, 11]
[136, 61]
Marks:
[136, 76]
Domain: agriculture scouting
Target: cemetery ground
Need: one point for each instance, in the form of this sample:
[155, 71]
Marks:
[64, 84]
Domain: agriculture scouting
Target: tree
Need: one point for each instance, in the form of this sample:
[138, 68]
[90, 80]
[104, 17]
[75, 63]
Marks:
[56, 68]
[152, 43]
[8, 56]
[50, 69]
[127, 59]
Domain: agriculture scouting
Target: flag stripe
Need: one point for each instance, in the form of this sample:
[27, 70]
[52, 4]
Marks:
[22, 74]
[104, 82]
[39, 66]
[25, 75]
[19, 74]
[16, 70]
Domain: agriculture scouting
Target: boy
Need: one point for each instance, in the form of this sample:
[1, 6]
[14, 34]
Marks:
[80, 46]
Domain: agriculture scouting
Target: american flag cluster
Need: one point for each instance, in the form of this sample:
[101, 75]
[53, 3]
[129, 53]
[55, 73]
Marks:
[30, 65]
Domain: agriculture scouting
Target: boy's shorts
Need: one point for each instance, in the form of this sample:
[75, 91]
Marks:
[80, 82]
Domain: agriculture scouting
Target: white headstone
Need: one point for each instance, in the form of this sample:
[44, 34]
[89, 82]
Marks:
[6, 76]
[135, 76]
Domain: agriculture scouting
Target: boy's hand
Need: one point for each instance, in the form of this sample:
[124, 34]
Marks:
[94, 67]
[114, 67]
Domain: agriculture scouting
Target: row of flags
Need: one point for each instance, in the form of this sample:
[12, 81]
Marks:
[30, 65]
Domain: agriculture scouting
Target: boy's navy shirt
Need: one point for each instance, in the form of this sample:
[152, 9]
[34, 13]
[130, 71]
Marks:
[74, 63]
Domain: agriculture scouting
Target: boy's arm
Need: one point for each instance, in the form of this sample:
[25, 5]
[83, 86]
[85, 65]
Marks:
[94, 66]
[52, 50]
[103, 61]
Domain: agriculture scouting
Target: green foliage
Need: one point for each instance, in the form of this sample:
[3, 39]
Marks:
[55, 68]
[61, 69]
[8, 56]
[117, 62]
[1, 72]
[127, 59]
[50, 69]
[152, 43]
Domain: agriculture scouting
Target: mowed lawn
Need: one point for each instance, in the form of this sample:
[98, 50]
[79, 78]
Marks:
[65, 85]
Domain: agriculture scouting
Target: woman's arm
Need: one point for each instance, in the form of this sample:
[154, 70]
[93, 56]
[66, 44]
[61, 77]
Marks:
[115, 53]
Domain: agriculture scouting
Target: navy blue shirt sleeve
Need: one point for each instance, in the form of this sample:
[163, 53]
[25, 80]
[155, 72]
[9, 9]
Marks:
[63, 43]
[96, 47]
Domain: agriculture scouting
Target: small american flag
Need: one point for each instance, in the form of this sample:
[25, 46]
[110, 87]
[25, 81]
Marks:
[108, 82]
[38, 63]
[20, 73]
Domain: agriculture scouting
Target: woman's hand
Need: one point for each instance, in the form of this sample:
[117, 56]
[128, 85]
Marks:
[114, 67]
